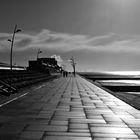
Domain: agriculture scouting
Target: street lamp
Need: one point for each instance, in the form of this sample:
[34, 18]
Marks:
[12, 43]
[38, 52]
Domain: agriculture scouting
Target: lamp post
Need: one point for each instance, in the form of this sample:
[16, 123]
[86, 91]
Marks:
[38, 52]
[73, 65]
[12, 44]
[11, 52]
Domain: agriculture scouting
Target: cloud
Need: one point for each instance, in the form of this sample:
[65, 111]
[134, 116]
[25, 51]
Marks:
[24, 43]
[3, 38]
[65, 42]
[58, 59]
[115, 43]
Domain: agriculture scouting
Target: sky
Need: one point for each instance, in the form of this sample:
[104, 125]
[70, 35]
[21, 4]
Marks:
[101, 35]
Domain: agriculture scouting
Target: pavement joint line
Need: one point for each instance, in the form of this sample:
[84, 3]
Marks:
[39, 87]
[1, 105]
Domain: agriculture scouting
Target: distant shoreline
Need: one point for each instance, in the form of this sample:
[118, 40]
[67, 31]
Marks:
[112, 72]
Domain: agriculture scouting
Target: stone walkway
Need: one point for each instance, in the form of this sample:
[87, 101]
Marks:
[69, 109]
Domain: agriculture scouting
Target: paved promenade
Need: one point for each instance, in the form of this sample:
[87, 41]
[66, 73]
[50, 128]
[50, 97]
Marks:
[69, 109]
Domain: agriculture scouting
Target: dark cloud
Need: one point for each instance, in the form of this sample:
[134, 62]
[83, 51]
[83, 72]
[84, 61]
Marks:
[24, 42]
[54, 40]
[107, 39]
[4, 38]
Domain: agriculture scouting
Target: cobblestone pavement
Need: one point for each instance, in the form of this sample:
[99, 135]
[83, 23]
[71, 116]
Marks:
[69, 109]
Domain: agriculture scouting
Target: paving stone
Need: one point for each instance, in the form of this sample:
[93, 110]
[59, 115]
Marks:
[47, 128]
[54, 122]
[46, 116]
[75, 134]
[31, 134]
[113, 122]
[11, 128]
[26, 139]
[78, 126]
[128, 139]
[108, 125]
[105, 139]
[69, 109]
[5, 119]
[111, 130]
[109, 135]
[66, 138]
[79, 130]
[132, 121]
[138, 133]
[75, 109]
[8, 136]
[88, 121]
[112, 119]
[70, 114]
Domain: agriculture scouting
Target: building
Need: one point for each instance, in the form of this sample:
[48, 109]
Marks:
[48, 65]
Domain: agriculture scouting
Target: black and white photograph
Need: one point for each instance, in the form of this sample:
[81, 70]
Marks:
[69, 69]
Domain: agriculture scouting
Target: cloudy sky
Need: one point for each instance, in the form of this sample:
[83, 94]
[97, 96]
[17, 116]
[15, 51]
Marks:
[102, 35]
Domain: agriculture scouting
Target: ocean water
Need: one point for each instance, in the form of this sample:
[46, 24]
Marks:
[134, 74]
[120, 82]
[124, 72]
[113, 72]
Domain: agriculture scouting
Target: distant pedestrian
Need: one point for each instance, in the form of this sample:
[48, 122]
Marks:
[66, 74]
[63, 73]
[74, 74]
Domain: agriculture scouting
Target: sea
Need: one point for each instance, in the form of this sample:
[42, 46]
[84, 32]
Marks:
[125, 85]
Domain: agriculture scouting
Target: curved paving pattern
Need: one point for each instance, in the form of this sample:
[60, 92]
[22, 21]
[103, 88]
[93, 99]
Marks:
[69, 109]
